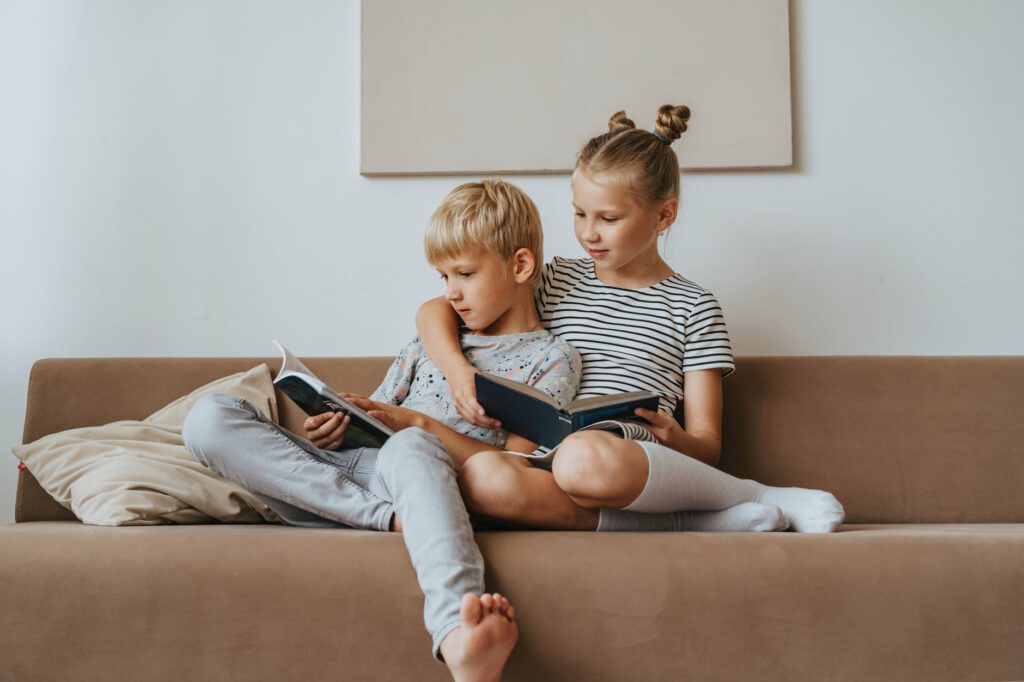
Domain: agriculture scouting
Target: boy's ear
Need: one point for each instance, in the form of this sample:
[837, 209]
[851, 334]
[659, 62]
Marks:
[524, 264]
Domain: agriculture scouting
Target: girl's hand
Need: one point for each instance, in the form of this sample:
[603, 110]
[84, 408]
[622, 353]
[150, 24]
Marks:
[326, 430]
[392, 416]
[664, 427]
[463, 385]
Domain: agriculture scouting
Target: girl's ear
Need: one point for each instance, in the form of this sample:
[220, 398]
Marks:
[667, 214]
[524, 264]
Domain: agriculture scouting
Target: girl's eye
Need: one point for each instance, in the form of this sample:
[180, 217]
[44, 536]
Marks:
[579, 213]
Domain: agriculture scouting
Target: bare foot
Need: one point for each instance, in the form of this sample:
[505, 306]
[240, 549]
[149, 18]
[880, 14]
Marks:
[477, 650]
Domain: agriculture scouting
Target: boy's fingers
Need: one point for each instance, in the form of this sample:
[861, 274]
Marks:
[316, 420]
[361, 402]
[332, 439]
[327, 426]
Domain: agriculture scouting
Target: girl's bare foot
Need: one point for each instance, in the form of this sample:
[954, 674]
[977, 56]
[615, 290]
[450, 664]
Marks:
[477, 650]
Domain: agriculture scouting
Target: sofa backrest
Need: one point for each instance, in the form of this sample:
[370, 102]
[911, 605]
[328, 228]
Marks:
[896, 439]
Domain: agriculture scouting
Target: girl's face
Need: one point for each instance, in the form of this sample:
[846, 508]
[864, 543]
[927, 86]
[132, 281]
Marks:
[620, 234]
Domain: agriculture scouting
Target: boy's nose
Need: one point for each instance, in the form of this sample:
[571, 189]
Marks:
[452, 293]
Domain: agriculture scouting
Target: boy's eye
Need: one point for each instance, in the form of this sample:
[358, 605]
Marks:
[444, 278]
[610, 219]
[465, 274]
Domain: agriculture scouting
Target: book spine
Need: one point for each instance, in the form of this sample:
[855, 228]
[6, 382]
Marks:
[565, 426]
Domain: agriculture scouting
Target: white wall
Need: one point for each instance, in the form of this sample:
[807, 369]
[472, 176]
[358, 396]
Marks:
[157, 158]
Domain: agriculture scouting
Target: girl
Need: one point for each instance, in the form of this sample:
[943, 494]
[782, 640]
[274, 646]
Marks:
[638, 325]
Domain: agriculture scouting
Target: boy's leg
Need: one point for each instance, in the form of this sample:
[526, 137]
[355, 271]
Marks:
[236, 440]
[416, 470]
[600, 470]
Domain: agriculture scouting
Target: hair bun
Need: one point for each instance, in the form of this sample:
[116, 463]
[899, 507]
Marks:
[619, 122]
[671, 121]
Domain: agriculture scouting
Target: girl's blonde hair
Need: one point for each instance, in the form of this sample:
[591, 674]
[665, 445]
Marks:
[492, 214]
[639, 161]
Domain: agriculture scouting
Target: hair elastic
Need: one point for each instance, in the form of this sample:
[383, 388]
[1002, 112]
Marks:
[661, 137]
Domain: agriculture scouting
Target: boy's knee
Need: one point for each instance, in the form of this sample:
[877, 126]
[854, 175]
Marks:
[488, 483]
[204, 428]
[411, 443]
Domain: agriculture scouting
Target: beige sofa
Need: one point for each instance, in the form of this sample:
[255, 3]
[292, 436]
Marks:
[924, 582]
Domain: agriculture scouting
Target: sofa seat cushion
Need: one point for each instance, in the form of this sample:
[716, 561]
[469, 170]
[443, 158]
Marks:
[187, 602]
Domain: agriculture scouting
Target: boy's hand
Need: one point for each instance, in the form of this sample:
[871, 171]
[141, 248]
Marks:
[393, 416]
[463, 385]
[664, 427]
[326, 430]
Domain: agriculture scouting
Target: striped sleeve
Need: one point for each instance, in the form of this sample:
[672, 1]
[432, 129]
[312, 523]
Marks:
[706, 343]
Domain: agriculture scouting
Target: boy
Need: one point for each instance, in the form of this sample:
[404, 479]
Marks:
[485, 240]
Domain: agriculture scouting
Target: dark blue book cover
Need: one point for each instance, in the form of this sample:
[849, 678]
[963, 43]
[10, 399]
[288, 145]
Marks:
[529, 412]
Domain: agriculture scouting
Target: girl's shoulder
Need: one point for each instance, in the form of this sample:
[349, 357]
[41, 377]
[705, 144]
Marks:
[681, 286]
[576, 268]
[560, 276]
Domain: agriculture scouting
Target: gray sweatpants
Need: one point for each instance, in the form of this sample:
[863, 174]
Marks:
[411, 476]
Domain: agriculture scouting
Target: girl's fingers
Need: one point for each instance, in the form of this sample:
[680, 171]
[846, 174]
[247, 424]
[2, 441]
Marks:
[646, 414]
[480, 415]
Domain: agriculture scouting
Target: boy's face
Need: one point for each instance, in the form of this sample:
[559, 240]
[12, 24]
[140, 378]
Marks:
[481, 288]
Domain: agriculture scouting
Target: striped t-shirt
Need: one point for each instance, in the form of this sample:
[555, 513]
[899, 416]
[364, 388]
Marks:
[634, 339]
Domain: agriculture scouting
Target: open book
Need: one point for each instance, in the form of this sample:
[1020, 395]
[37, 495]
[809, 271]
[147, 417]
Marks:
[315, 397]
[533, 414]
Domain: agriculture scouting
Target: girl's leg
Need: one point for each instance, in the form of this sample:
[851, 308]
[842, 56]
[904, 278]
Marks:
[507, 488]
[602, 470]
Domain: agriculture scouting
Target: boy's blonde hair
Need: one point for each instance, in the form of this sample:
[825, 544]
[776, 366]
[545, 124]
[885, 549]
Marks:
[492, 214]
[639, 161]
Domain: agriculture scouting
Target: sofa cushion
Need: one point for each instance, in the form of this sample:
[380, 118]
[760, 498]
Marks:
[910, 602]
[139, 472]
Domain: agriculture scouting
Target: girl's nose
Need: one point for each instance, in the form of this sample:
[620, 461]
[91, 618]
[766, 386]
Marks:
[589, 234]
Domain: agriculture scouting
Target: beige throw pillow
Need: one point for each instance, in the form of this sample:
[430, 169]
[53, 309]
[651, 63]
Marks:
[132, 473]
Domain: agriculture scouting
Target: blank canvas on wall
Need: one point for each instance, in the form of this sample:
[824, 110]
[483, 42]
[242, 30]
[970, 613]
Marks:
[491, 86]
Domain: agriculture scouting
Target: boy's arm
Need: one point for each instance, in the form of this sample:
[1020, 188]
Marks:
[438, 327]
[459, 447]
[327, 430]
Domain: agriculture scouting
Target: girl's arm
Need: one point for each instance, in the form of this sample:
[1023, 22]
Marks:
[438, 327]
[702, 412]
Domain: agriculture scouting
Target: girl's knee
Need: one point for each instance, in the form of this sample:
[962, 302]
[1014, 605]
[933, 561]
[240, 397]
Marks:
[594, 464]
[488, 484]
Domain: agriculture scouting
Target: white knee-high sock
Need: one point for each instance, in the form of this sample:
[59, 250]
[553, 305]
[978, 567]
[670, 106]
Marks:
[678, 482]
[745, 517]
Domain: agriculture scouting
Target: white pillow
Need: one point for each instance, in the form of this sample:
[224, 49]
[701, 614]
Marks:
[132, 473]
